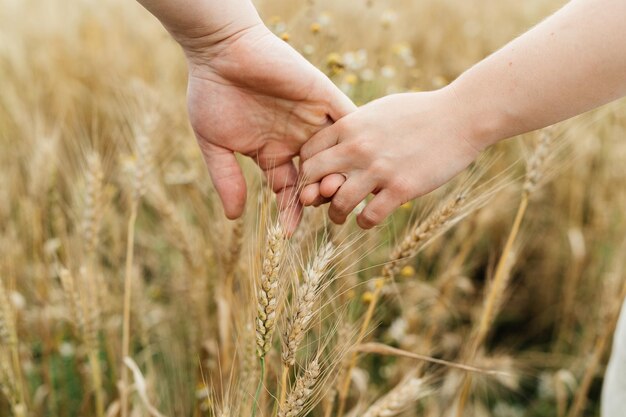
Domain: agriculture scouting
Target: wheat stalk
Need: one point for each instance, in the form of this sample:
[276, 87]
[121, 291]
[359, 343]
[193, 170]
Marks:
[8, 336]
[177, 228]
[7, 380]
[8, 328]
[493, 297]
[142, 169]
[90, 303]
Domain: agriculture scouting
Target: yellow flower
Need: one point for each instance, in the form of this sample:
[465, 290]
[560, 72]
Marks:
[285, 36]
[379, 283]
[350, 79]
[315, 27]
[367, 297]
[401, 48]
[274, 20]
[407, 271]
[334, 62]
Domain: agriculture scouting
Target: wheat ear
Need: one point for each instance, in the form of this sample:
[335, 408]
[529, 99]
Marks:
[267, 299]
[414, 241]
[399, 398]
[267, 296]
[92, 212]
[307, 295]
[301, 393]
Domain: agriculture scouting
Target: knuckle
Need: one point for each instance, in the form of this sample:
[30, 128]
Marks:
[380, 169]
[401, 189]
[366, 148]
[340, 205]
[354, 148]
[369, 218]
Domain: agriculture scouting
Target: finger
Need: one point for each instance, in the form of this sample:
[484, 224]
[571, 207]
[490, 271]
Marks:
[309, 194]
[227, 178]
[329, 161]
[281, 176]
[290, 209]
[339, 104]
[330, 184]
[283, 180]
[320, 201]
[378, 209]
[323, 139]
[351, 193]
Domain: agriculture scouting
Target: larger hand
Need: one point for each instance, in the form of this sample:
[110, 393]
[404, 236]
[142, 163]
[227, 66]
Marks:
[252, 93]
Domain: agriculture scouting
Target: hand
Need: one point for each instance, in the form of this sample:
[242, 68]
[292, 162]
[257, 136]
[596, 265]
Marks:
[252, 93]
[399, 147]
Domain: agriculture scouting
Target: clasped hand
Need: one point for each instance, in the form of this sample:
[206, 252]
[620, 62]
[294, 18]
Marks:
[253, 94]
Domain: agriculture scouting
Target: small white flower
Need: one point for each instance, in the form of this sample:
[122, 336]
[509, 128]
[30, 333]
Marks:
[355, 60]
[324, 19]
[388, 71]
[397, 330]
[506, 410]
[66, 350]
[368, 74]
[18, 300]
[308, 49]
[280, 27]
[388, 18]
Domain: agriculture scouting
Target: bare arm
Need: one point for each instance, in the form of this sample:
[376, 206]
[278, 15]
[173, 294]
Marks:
[186, 18]
[406, 145]
[570, 63]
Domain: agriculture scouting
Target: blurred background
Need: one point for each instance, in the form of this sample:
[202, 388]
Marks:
[91, 90]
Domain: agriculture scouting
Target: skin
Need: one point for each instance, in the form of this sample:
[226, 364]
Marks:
[403, 146]
[251, 93]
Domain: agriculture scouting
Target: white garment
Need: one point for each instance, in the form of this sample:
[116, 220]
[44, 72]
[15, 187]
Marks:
[614, 389]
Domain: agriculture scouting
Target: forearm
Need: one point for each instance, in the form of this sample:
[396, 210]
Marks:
[570, 63]
[205, 22]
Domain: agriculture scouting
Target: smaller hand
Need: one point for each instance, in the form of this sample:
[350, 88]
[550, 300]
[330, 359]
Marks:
[399, 147]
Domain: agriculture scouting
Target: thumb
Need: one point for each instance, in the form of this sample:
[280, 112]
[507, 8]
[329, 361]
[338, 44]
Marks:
[339, 105]
[227, 178]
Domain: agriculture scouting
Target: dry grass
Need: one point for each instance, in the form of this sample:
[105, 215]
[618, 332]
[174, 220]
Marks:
[124, 291]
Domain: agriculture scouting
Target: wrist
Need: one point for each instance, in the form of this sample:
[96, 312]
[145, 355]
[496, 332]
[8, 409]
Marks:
[483, 123]
[207, 37]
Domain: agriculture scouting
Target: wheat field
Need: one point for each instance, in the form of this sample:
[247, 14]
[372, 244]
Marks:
[125, 291]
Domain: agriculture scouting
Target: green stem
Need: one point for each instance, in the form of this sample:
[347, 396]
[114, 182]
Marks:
[258, 388]
[130, 245]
